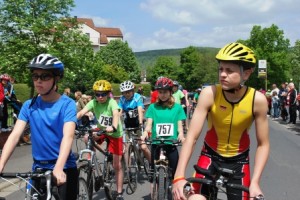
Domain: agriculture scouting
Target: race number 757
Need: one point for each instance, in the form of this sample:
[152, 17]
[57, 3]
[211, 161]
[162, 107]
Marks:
[164, 129]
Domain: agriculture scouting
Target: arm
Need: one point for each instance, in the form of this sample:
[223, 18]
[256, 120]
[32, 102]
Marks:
[64, 152]
[141, 114]
[205, 101]
[263, 145]
[115, 121]
[11, 142]
[180, 132]
[148, 128]
[82, 112]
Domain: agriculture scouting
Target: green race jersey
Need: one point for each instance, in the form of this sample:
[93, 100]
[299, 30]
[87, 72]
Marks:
[178, 95]
[104, 115]
[165, 120]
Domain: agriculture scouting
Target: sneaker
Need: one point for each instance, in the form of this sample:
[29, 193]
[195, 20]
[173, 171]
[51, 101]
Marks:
[120, 197]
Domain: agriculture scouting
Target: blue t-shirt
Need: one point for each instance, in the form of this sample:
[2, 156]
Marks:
[46, 124]
[130, 107]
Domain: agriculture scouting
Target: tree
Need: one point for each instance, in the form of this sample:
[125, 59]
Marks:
[164, 66]
[32, 27]
[118, 54]
[269, 44]
[295, 63]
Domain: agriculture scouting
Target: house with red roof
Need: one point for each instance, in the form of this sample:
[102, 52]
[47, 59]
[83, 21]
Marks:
[99, 36]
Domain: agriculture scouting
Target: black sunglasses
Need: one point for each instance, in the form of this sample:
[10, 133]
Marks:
[101, 94]
[43, 77]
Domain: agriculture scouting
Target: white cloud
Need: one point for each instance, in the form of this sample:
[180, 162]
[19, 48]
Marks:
[98, 21]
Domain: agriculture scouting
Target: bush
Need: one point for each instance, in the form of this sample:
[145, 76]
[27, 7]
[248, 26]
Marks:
[22, 91]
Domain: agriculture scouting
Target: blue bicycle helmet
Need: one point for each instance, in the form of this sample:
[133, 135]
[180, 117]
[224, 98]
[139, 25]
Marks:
[48, 62]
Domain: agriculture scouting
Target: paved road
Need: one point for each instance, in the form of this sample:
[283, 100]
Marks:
[280, 180]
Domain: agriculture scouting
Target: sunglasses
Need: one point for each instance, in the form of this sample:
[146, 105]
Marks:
[101, 94]
[43, 77]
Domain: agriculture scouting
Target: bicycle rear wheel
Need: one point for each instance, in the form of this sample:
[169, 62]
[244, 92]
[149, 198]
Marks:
[82, 190]
[26, 136]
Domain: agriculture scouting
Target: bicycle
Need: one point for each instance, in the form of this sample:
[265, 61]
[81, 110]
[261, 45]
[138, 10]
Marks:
[162, 173]
[136, 159]
[46, 184]
[99, 175]
[192, 109]
[217, 182]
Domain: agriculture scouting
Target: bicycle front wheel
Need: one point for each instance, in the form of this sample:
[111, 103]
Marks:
[86, 172]
[110, 184]
[130, 170]
[83, 193]
[161, 184]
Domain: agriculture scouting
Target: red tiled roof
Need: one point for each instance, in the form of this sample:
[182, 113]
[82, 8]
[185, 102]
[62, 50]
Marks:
[87, 21]
[110, 32]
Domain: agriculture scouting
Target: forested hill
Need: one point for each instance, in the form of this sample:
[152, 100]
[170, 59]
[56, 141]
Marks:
[148, 58]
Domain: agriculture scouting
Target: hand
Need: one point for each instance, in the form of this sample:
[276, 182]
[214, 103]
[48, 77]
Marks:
[181, 138]
[144, 136]
[177, 190]
[60, 176]
[254, 190]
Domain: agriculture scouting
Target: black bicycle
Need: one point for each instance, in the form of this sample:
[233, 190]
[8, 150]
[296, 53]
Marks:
[40, 184]
[138, 162]
[219, 181]
[162, 174]
[100, 174]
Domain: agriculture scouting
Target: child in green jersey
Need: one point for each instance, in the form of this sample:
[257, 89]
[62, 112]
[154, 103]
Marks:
[106, 111]
[165, 112]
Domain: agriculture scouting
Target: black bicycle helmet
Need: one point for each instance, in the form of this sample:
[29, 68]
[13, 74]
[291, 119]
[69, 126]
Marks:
[48, 62]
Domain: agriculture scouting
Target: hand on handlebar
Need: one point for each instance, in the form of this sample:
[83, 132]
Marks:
[178, 190]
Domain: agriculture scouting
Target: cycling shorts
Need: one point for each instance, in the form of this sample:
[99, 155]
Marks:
[115, 145]
[239, 163]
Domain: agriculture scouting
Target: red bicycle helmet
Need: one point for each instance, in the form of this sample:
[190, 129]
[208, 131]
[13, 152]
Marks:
[164, 84]
[5, 77]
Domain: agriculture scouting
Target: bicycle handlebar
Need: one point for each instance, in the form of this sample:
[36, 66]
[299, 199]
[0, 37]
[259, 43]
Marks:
[163, 142]
[37, 174]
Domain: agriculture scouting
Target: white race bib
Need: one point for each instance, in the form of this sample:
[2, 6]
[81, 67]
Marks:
[105, 120]
[133, 113]
[164, 129]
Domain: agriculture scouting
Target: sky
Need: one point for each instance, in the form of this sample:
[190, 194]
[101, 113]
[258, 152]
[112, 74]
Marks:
[169, 24]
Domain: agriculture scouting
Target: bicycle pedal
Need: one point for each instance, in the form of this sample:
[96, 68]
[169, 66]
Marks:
[98, 183]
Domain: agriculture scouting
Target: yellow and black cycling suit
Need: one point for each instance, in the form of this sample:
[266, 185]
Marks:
[227, 140]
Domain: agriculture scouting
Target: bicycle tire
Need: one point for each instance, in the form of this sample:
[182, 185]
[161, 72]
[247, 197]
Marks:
[26, 135]
[83, 193]
[110, 185]
[161, 184]
[191, 113]
[85, 172]
[130, 170]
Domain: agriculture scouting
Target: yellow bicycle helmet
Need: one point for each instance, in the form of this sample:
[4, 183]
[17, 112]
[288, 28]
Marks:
[102, 86]
[237, 52]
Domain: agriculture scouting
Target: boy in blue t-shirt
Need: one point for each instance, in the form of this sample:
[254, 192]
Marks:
[52, 119]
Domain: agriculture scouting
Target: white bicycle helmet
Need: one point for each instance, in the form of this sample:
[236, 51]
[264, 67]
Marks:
[126, 86]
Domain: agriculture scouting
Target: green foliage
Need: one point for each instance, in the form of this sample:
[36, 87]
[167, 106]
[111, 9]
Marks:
[164, 66]
[22, 91]
[118, 54]
[269, 44]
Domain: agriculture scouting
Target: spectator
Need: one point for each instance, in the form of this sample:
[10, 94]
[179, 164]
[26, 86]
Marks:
[275, 105]
[67, 91]
[7, 87]
[291, 99]
[1, 103]
[79, 101]
[282, 97]
[140, 90]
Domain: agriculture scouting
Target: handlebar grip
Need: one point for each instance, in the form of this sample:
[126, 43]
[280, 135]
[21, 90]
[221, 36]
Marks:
[237, 186]
[101, 132]
[260, 197]
[202, 171]
[200, 180]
